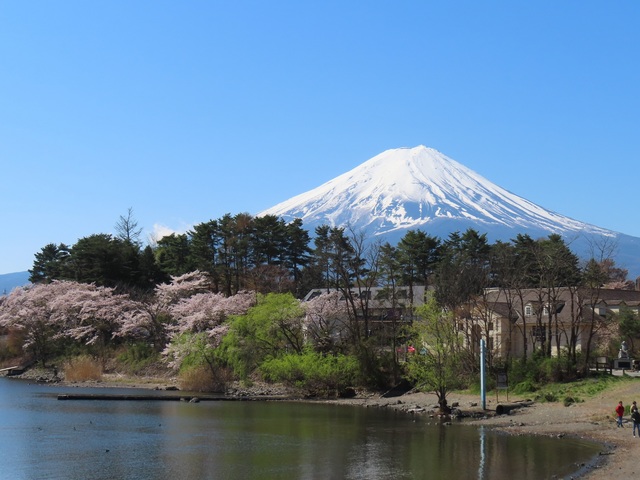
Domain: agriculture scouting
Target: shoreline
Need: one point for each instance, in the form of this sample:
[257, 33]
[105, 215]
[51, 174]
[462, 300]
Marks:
[590, 420]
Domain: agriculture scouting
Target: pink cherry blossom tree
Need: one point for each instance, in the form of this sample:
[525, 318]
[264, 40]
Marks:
[92, 315]
[27, 310]
[148, 321]
[152, 320]
[203, 312]
[48, 313]
[326, 320]
[200, 324]
[182, 286]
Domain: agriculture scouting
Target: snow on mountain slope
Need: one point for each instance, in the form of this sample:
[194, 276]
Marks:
[420, 188]
[412, 187]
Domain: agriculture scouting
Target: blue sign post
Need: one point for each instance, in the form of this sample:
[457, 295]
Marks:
[483, 385]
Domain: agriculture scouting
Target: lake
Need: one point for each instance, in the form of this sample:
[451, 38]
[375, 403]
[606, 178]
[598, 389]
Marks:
[42, 437]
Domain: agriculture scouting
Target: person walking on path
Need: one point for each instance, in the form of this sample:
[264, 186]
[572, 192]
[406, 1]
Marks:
[620, 413]
[635, 416]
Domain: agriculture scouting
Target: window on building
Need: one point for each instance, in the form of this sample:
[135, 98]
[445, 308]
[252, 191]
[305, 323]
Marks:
[539, 334]
[528, 311]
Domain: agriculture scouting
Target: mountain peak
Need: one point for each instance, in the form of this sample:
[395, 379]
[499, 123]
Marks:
[406, 188]
[421, 188]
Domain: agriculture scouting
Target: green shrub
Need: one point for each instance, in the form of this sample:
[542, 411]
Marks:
[318, 374]
[523, 371]
[557, 369]
[539, 370]
[524, 387]
[136, 357]
[568, 401]
[189, 350]
[374, 367]
[547, 397]
[271, 327]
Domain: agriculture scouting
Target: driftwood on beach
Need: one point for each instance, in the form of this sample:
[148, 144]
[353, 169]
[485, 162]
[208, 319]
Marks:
[505, 408]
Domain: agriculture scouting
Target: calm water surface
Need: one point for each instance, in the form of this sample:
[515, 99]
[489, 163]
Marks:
[44, 438]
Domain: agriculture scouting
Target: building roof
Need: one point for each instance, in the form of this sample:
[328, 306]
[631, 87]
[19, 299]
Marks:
[380, 297]
[566, 306]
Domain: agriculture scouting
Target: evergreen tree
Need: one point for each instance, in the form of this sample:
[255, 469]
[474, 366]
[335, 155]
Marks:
[49, 263]
[297, 253]
[418, 256]
[173, 254]
[463, 270]
[204, 244]
[101, 259]
[268, 240]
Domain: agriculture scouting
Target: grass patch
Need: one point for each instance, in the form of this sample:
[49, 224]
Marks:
[576, 391]
[200, 378]
[82, 369]
[566, 392]
[137, 358]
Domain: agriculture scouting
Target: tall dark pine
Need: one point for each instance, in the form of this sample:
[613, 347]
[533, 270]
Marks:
[233, 252]
[322, 262]
[204, 243]
[173, 254]
[150, 272]
[103, 260]
[49, 263]
[463, 268]
[417, 255]
[268, 240]
[297, 253]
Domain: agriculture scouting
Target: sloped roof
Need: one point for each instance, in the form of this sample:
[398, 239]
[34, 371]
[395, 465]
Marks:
[565, 301]
[379, 297]
[564, 294]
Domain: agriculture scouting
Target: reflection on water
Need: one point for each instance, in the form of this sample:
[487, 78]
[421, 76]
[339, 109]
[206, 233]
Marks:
[43, 438]
[483, 453]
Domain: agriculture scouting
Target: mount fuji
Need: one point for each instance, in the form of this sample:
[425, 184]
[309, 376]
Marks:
[420, 188]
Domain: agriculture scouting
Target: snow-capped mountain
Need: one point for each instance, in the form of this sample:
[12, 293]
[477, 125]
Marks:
[420, 188]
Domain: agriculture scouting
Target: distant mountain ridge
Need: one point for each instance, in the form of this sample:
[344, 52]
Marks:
[9, 281]
[421, 188]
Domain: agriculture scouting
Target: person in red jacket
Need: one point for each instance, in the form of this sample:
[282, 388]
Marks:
[620, 413]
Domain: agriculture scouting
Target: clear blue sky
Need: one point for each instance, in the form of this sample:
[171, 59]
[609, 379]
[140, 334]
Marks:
[186, 111]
